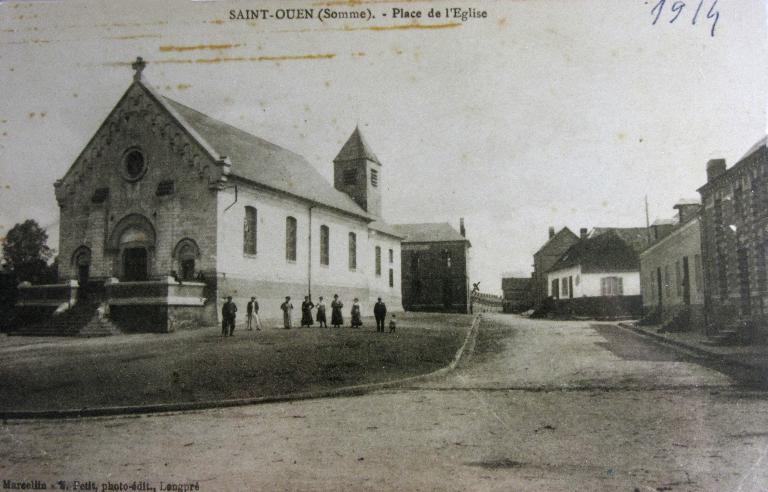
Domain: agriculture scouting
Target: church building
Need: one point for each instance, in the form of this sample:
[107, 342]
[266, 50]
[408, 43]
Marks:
[168, 211]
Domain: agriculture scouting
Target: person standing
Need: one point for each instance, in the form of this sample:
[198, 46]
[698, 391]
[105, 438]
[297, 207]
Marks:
[249, 314]
[306, 312]
[337, 319]
[256, 318]
[356, 317]
[380, 312]
[321, 313]
[228, 314]
[287, 307]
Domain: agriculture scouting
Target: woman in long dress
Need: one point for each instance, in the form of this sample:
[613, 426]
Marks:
[306, 312]
[287, 307]
[336, 317]
[356, 319]
[321, 313]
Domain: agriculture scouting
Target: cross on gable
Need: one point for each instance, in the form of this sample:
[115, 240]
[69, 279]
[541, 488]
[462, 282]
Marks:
[138, 66]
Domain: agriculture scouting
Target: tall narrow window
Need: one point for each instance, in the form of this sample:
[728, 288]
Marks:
[352, 251]
[391, 277]
[391, 256]
[249, 231]
[290, 239]
[324, 245]
[378, 260]
[678, 279]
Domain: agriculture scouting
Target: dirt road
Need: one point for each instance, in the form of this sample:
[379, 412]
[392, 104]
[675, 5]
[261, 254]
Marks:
[538, 405]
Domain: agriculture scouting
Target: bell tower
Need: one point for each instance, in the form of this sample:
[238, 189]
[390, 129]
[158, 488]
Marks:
[357, 172]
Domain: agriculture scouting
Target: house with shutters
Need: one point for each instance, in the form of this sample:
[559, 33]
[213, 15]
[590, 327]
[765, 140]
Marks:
[167, 211]
[598, 276]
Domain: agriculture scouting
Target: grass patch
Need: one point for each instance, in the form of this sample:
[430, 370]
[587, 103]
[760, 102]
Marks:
[144, 369]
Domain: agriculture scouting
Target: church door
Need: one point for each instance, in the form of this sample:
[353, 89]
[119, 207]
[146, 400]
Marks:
[135, 264]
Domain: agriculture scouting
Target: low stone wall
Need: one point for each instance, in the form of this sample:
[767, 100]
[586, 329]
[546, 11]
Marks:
[608, 307]
[162, 305]
[47, 295]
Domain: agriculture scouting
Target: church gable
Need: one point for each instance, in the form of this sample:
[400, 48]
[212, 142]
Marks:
[143, 161]
[141, 120]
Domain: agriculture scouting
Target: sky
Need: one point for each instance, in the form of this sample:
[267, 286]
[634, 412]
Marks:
[544, 113]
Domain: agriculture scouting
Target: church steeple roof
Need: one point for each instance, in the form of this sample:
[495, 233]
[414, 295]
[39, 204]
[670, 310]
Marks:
[356, 148]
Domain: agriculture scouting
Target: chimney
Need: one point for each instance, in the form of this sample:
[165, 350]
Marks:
[686, 210]
[551, 232]
[715, 167]
[583, 233]
[461, 227]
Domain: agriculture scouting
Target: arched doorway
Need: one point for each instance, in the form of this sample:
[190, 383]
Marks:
[133, 239]
[81, 263]
[135, 264]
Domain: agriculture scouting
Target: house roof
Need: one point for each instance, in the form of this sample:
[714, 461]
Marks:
[636, 237]
[265, 163]
[605, 252]
[561, 234]
[356, 148]
[515, 283]
[385, 228]
[436, 232]
[763, 142]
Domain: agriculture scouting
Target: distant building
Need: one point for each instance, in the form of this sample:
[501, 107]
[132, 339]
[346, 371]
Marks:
[435, 267]
[517, 294]
[671, 271]
[546, 256]
[482, 302]
[598, 276]
[735, 242]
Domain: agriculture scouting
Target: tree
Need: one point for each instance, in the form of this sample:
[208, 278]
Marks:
[26, 252]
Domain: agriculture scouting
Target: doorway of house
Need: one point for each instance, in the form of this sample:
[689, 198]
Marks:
[659, 288]
[686, 282]
[447, 294]
[135, 264]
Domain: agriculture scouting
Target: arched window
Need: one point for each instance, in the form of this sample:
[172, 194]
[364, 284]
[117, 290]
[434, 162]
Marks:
[186, 253]
[378, 260]
[352, 251]
[324, 245]
[290, 239]
[249, 231]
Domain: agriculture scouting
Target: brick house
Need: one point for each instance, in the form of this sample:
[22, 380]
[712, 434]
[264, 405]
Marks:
[435, 267]
[672, 279]
[543, 259]
[167, 211]
[735, 243]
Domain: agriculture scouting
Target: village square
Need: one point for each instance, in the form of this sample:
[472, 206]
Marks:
[329, 284]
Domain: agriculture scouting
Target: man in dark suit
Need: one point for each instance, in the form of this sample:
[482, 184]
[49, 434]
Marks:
[380, 312]
[228, 314]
